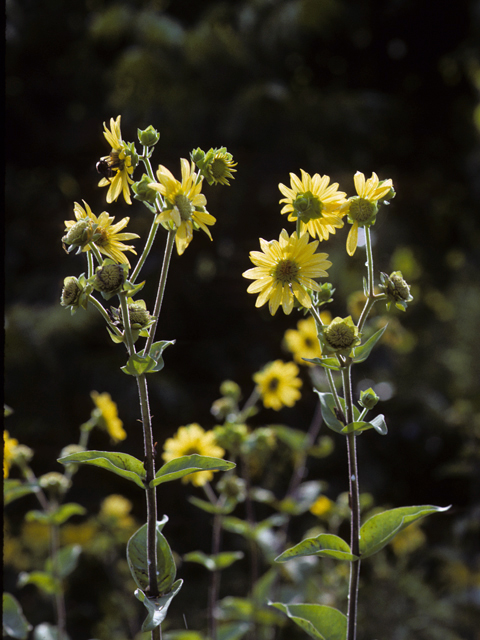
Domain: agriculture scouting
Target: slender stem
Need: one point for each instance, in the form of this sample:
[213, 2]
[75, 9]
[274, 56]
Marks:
[161, 289]
[126, 323]
[105, 316]
[251, 402]
[145, 252]
[215, 575]
[60, 596]
[91, 266]
[253, 546]
[354, 496]
[96, 252]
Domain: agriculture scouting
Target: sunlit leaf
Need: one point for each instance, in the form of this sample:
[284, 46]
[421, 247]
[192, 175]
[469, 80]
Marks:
[138, 559]
[324, 545]
[183, 466]
[15, 625]
[122, 464]
[157, 607]
[319, 621]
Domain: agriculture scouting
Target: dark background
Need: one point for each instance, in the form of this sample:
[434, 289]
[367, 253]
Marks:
[331, 86]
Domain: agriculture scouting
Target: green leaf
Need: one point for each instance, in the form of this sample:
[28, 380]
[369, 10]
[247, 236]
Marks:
[138, 560]
[15, 624]
[67, 560]
[122, 464]
[208, 507]
[138, 364]
[328, 363]
[324, 545]
[41, 579]
[383, 527]
[157, 607]
[214, 562]
[183, 634]
[295, 439]
[356, 427]
[14, 489]
[233, 630]
[180, 467]
[244, 609]
[319, 621]
[46, 631]
[156, 351]
[379, 424]
[361, 353]
[57, 517]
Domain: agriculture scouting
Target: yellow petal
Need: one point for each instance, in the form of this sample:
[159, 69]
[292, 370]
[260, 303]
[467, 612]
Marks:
[352, 239]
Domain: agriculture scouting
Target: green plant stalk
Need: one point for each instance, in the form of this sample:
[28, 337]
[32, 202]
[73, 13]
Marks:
[328, 373]
[372, 298]
[161, 289]
[91, 265]
[96, 252]
[104, 315]
[126, 323]
[354, 498]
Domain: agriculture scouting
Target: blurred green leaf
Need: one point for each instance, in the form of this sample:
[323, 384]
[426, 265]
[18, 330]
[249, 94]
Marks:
[67, 560]
[41, 579]
[60, 515]
[15, 625]
[14, 489]
[214, 562]
[319, 621]
[208, 507]
[361, 353]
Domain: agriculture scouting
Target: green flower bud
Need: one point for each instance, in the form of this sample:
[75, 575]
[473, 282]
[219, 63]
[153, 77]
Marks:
[109, 278]
[222, 408]
[75, 293]
[149, 136]
[230, 389]
[142, 191]
[368, 399]
[340, 336]
[396, 289]
[197, 156]
[22, 455]
[233, 487]
[139, 316]
[80, 234]
[69, 449]
[362, 211]
[129, 149]
[231, 437]
[308, 207]
[54, 482]
[216, 165]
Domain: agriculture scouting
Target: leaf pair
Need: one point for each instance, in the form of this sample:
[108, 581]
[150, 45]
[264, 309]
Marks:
[329, 414]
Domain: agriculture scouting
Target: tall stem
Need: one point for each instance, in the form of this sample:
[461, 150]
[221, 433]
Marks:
[161, 289]
[354, 497]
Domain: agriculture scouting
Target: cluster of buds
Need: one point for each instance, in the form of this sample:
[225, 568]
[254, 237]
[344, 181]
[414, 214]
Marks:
[396, 290]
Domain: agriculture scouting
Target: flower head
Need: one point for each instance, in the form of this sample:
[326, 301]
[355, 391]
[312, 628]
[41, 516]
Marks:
[9, 446]
[362, 209]
[184, 204]
[316, 204]
[278, 384]
[189, 440]
[340, 336]
[107, 415]
[106, 236]
[303, 341]
[216, 165]
[321, 507]
[118, 166]
[285, 270]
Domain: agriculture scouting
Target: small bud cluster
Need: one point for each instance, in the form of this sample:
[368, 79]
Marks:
[396, 289]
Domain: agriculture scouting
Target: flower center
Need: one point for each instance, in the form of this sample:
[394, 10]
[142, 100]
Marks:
[218, 168]
[191, 451]
[308, 343]
[273, 384]
[286, 271]
[362, 211]
[184, 206]
[307, 206]
[340, 336]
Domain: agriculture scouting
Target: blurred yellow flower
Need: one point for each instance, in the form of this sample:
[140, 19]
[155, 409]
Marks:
[285, 270]
[109, 243]
[185, 205]
[303, 342]
[189, 440]
[321, 506]
[107, 414]
[115, 506]
[278, 384]
[117, 166]
[408, 540]
[362, 209]
[36, 535]
[82, 533]
[314, 203]
[9, 445]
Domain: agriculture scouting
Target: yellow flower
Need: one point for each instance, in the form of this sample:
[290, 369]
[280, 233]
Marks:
[116, 167]
[108, 415]
[362, 209]
[408, 540]
[314, 203]
[116, 506]
[321, 506]
[109, 243]
[285, 270]
[278, 384]
[189, 440]
[83, 533]
[185, 205]
[9, 445]
[303, 341]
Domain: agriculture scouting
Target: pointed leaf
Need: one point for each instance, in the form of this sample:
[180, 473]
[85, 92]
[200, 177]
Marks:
[138, 364]
[383, 527]
[183, 466]
[361, 353]
[67, 560]
[41, 579]
[156, 351]
[208, 507]
[157, 607]
[328, 363]
[59, 516]
[14, 489]
[379, 424]
[122, 464]
[15, 624]
[357, 427]
[319, 621]
[324, 545]
[214, 562]
[138, 560]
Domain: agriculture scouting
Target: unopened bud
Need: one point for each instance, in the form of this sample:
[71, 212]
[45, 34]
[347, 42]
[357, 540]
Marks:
[80, 234]
[149, 136]
[340, 336]
[368, 399]
[142, 191]
[109, 278]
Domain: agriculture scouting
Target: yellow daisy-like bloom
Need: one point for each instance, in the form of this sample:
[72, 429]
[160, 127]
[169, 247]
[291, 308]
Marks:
[118, 164]
[303, 341]
[362, 209]
[189, 440]
[321, 507]
[278, 384]
[316, 204]
[108, 415]
[285, 270]
[9, 445]
[110, 241]
[184, 203]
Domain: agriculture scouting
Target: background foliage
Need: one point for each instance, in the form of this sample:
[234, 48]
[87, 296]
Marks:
[331, 86]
